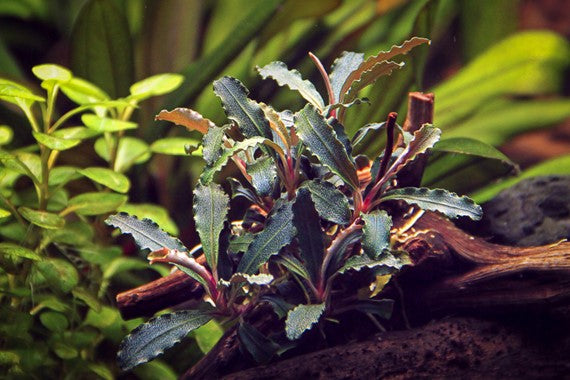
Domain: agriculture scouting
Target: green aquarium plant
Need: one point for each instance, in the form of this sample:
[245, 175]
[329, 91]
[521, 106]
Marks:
[55, 263]
[317, 214]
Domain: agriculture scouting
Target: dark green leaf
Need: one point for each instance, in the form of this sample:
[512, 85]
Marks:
[209, 172]
[314, 131]
[292, 79]
[279, 305]
[58, 273]
[440, 200]
[261, 348]
[309, 232]
[157, 214]
[386, 263]
[89, 299]
[342, 67]
[43, 219]
[294, 266]
[331, 204]
[263, 174]
[158, 334]
[341, 135]
[252, 279]
[382, 308]
[54, 321]
[146, 233]
[302, 318]
[210, 211]
[278, 232]
[107, 177]
[212, 143]
[103, 55]
[241, 243]
[248, 115]
[376, 233]
[95, 203]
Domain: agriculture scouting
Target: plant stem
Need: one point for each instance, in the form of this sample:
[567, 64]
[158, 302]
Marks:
[326, 79]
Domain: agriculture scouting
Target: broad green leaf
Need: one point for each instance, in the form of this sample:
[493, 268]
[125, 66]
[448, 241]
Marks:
[158, 334]
[386, 263]
[212, 142]
[130, 151]
[341, 68]
[278, 232]
[279, 305]
[147, 234]
[556, 166]
[76, 233]
[382, 308]
[376, 233]
[105, 124]
[55, 143]
[9, 358]
[83, 92]
[103, 55]
[248, 115]
[4, 214]
[301, 319]
[440, 200]
[59, 273]
[373, 67]
[64, 350]
[309, 232]
[80, 133]
[95, 203]
[292, 79]
[531, 63]
[294, 266]
[23, 163]
[240, 243]
[155, 85]
[120, 265]
[52, 72]
[6, 135]
[57, 200]
[210, 210]
[188, 118]
[155, 369]
[320, 138]
[17, 94]
[261, 348]
[54, 321]
[17, 251]
[60, 175]
[43, 219]
[252, 279]
[157, 214]
[107, 177]
[174, 146]
[208, 335]
[51, 302]
[89, 299]
[472, 147]
[263, 175]
[209, 172]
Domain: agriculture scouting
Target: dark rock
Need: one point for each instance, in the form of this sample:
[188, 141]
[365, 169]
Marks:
[535, 211]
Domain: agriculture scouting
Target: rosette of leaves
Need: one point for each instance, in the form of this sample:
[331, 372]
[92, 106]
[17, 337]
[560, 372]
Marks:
[314, 217]
[54, 268]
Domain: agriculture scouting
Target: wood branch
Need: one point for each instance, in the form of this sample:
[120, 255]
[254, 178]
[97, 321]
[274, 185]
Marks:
[157, 295]
[451, 349]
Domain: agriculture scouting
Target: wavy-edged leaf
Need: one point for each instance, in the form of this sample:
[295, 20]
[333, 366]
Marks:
[375, 66]
[17, 251]
[278, 304]
[370, 76]
[309, 233]
[448, 203]
[155, 85]
[330, 203]
[292, 78]
[259, 279]
[174, 146]
[190, 119]
[147, 234]
[341, 135]
[302, 318]
[248, 115]
[43, 219]
[158, 334]
[278, 125]
[261, 348]
[386, 263]
[210, 211]
[238, 190]
[212, 142]
[105, 124]
[320, 138]
[157, 214]
[107, 177]
[341, 68]
[94, 203]
[263, 175]
[376, 233]
[209, 172]
[278, 232]
[241, 243]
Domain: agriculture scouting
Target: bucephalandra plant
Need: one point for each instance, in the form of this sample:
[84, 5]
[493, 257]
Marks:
[312, 218]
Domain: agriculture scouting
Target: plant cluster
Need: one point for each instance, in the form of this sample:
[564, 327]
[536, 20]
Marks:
[55, 267]
[313, 215]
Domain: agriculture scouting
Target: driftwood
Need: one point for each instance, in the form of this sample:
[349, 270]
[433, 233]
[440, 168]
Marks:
[452, 271]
